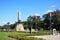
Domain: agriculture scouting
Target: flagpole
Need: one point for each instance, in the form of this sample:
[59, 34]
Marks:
[50, 24]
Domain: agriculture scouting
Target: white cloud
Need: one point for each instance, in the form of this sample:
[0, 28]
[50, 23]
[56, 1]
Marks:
[52, 6]
[2, 23]
[37, 14]
[27, 16]
[48, 11]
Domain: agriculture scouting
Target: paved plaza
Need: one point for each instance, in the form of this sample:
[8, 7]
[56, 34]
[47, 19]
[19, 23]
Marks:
[49, 37]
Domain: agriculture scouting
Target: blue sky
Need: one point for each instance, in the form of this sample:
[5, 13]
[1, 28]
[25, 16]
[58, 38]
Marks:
[9, 9]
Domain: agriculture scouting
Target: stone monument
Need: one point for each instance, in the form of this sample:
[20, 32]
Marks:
[54, 32]
[19, 26]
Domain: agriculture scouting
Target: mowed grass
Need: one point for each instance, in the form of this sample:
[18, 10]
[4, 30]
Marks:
[4, 35]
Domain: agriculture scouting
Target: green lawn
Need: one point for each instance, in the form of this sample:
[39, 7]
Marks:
[4, 35]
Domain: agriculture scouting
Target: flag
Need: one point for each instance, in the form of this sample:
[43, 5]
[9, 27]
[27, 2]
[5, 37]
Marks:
[51, 14]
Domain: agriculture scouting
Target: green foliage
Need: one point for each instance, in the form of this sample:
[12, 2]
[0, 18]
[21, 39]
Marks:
[24, 24]
[23, 37]
[32, 21]
[57, 15]
[38, 33]
[54, 19]
[20, 35]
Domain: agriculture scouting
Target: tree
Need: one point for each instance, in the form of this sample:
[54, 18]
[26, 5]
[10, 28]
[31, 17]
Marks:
[30, 23]
[12, 26]
[24, 24]
[55, 20]
[46, 21]
[34, 21]
[7, 26]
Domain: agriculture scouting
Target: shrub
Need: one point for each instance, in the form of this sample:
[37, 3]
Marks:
[29, 38]
[18, 37]
[24, 36]
[13, 36]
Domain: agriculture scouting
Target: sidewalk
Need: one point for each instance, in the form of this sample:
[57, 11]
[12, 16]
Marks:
[49, 37]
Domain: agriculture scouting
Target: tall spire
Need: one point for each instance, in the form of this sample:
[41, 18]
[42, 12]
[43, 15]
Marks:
[19, 15]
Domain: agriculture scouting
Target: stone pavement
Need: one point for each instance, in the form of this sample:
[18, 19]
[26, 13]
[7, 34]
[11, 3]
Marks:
[49, 37]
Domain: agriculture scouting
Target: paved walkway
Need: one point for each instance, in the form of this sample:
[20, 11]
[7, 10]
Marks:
[49, 37]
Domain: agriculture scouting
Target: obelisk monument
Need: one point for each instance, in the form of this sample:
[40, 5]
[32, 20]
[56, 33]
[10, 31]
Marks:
[19, 26]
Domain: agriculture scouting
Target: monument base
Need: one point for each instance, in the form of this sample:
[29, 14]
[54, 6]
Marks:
[19, 27]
